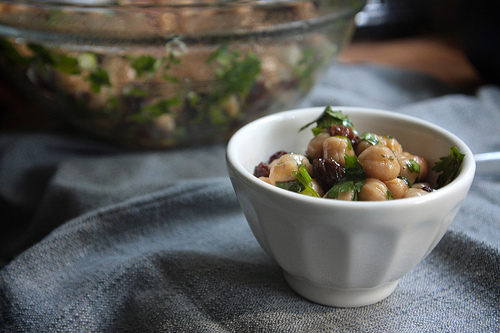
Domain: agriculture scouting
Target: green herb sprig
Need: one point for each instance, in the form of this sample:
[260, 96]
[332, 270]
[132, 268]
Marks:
[328, 118]
[448, 166]
[353, 179]
[370, 137]
[305, 179]
[303, 183]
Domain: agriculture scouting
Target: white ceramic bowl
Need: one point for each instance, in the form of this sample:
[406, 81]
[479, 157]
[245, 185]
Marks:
[341, 253]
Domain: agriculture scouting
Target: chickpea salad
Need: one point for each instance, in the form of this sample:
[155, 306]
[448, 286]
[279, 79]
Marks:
[149, 74]
[339, 163]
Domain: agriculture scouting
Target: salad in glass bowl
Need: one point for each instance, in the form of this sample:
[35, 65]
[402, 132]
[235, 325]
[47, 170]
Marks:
[164, 74]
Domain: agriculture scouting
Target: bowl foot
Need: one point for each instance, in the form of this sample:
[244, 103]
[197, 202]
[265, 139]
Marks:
[339, 297]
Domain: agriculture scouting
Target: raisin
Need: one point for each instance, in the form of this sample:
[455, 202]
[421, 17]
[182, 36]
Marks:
[277, 155]
[327, 172]
[427, 188]
[342, 131]
[261, 170]
[348, 132]
[355, 142]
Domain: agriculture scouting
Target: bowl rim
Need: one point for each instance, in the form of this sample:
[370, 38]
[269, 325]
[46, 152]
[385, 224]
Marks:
[57, 35]
[465, 175]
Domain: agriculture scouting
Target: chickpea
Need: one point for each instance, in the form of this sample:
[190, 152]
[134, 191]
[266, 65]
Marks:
[362, 145]
[373, 190]
[346, 196]
[315, 146]
[315, 186]
[397, 187]
[282, 169]
[415, 192]
[265, 179]
[379, 162]
[386, 140]
[391, 143]
[283, 172]
[299, 159]
[421, 185]
[337, 147]
[408, 171]
[424, 168]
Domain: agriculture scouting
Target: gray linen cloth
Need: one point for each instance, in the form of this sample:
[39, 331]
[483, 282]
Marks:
[97, 239]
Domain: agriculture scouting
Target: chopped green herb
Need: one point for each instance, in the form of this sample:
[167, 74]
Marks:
[349, 143]
[389, 195]
[152, 111]
[98, 79]
[405, 180]
[170, 78]
[145, 64]
[448, 166]
[370, 137]
[353, 179]
[192, 98]
[305, 68]
[302, 185]
[67, 64]
[134, 91]
[293, 185]
[236, 75]
[305, 179]
[41, 54]
[8, 51]
[113, 102]
[328, 118]
[413, 166]
[162, 106]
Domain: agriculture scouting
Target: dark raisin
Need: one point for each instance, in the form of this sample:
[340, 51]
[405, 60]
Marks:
[261, 170]
[355, 142]
[348, 132]
[277, 155]
[427, 188]
[327, 172]
[342, 131]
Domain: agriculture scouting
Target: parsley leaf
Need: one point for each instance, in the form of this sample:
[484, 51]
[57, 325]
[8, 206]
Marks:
[67, 64]
[236, 74]
[9, 52]
[41, 54]
[389, 195]
[405, 180]
[305, 179]
[98, 79]
[328, 118]
[302, 185]
[144, 64]
[370, 137]
[448, 166]
[413, 166]
[292, 185]
[353, 179]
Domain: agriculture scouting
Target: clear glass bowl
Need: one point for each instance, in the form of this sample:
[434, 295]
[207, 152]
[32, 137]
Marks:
[165, 74]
